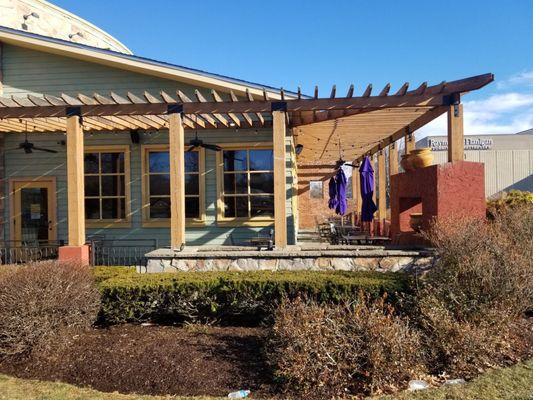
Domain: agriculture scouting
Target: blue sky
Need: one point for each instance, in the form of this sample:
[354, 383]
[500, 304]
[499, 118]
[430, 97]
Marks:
[307, 43]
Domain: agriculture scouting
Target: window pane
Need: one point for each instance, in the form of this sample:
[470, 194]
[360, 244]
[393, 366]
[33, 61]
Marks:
[191, 161]
[235, 183]
[192, 207]
[92, 209]
[192, 185]
[234, 160]
[160, 207]
[236, 206]
[262, 206]
[113, 209]
[262, 183]
[112, 162]
[159, 185]
[92, 186]
[113, 185]
[91, 163]
[261, 160]
[158, 161]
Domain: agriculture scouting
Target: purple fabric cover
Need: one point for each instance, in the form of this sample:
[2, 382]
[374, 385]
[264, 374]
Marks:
[341, 180]
[368, 207]
[332, 203]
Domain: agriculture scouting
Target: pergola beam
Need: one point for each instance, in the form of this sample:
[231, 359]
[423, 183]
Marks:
[439, 95]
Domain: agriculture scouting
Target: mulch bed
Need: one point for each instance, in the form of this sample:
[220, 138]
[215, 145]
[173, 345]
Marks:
[153, 360]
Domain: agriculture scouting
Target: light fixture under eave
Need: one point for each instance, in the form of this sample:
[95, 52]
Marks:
[32, 14]
[298, 149]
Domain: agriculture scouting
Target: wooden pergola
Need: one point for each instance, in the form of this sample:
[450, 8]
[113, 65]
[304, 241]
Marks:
[359, 125]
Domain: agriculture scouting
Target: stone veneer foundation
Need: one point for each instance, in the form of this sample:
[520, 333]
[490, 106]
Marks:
[341, 258]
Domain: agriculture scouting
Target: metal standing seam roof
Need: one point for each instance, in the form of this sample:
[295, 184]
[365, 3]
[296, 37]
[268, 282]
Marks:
[145, 60]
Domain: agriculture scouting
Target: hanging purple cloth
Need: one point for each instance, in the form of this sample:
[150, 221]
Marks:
[368, 207]
[342, 204]
[332, 203]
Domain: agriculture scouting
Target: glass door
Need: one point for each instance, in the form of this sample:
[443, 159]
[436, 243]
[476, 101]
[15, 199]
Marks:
[34, 211]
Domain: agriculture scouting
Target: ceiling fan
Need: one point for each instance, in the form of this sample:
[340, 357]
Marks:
[195, 143]
[28, 147]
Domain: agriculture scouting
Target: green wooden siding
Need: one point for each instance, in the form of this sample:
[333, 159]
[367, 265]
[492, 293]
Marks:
[31, 72]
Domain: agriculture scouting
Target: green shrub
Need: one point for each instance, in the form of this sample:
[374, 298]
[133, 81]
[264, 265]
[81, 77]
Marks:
[39, 300]
[226, 297]
[512, 199]
[330, 351]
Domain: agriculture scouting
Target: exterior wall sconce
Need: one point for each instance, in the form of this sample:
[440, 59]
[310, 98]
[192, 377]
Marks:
[26, 17]
[73, 35]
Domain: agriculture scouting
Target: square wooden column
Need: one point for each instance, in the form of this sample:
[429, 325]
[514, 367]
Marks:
[279, 128]
[393, 159]
[455, 133]
[176, 135]
[75, 181]
[409, 143]
[356, 189]
[382, 186]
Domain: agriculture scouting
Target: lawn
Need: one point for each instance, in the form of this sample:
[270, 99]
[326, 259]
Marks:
[515, 383]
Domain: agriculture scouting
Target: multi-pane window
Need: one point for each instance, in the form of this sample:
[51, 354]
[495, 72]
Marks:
[158, 184]
[248, 183]
[105, 185]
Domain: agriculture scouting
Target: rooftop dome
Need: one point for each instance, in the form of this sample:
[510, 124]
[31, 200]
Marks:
[44, 18]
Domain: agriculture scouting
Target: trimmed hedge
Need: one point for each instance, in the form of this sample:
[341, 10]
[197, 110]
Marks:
[245, 298]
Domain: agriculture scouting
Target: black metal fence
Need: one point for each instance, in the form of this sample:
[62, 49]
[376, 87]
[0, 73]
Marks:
[121, 252]
[23, 251]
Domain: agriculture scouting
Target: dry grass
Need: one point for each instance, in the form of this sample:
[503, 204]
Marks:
[502, 384]
[39, 300]
[512, 383]
[22, 389]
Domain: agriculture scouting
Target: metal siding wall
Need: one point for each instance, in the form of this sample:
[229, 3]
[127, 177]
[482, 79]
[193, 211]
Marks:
[522, 172]
[491, 179]
[504, 169]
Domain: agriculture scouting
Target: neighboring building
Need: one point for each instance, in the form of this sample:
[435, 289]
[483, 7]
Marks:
[508, 159]
[44, 18]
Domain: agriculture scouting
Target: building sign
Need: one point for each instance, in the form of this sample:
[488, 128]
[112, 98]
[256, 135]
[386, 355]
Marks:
[470, 144]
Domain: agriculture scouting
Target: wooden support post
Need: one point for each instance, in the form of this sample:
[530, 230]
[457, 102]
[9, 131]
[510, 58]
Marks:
[393, 159]
[356, 182]
[409, 143]
[455, 133]
[75, 182]
[279, 125]
[176, 135]
[382, 187]
[1, 68]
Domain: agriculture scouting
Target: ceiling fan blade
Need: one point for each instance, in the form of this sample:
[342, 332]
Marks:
[213, 147]
[191, 148]
[42, 149]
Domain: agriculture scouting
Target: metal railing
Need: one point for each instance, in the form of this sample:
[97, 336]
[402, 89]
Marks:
[22, 251]
[121, 252]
